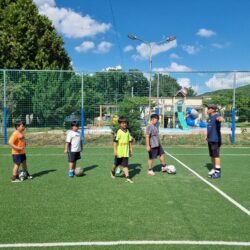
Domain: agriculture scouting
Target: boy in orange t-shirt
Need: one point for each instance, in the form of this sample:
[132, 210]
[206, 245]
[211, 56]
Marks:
[18, 144]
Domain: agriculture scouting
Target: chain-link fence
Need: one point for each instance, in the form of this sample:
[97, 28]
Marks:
[48, 101]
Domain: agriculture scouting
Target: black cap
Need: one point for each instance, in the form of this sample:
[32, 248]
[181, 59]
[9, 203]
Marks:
[212, 106]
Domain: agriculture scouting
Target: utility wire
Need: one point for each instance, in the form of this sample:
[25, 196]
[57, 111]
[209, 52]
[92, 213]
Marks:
[116, 33]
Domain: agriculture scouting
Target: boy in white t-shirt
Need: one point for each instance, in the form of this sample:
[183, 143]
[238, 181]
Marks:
[73, 147]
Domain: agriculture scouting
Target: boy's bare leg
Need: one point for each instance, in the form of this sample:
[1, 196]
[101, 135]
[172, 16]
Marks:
[15, 170]
[71, 165]
[162, 159]
[150, 163]
[24, 165]
[126, 172]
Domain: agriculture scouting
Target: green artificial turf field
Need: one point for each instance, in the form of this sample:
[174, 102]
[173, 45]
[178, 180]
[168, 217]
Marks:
[94, 208]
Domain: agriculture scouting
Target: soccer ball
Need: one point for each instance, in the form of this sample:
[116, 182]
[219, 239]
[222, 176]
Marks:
[79, 172]
[23, 175]
[171, 169]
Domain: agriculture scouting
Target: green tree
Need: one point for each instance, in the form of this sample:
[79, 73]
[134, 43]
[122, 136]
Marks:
[131, 108]
[28, 40]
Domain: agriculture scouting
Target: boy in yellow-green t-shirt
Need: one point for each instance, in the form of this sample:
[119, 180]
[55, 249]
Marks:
[122, 149]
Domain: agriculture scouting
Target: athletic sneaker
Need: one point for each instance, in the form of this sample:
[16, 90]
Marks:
[29, 177]
[112, 175]
[164, 169]
[13, 179]
[71, 173]
[211, 172]
[129, 180]
[215, 175]
[151, 172]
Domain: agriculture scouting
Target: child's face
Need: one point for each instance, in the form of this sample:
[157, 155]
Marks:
[154, 121]
[21, 128]
[75, 128]
[123, 125]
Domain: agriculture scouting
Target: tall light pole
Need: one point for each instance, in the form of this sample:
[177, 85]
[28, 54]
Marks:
[149, 44]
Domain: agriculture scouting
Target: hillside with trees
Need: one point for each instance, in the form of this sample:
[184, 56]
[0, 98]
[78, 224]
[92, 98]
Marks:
[224, 98]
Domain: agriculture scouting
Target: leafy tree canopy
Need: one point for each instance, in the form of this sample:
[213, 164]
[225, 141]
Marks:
[28, 40]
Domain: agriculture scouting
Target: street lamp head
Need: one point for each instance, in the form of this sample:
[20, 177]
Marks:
[130, 36]
[171, 38]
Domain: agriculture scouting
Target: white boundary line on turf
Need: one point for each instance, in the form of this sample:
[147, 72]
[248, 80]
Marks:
[126, 242]
[237, 204]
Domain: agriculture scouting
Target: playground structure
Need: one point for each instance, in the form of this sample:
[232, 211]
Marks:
[180, 111]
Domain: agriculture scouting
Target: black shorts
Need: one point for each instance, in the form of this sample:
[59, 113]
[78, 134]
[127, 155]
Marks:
[18, 159]
[123, 161]
[214, 149]
[154, 152]
[74, 156]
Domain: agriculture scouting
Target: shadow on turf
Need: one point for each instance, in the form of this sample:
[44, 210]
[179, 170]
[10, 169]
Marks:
[209, 166]
[134, 169]
[86, 169]
[157, 168]
[39, 174]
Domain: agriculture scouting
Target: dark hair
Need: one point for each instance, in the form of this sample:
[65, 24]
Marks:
[154, 116]
[74, 124]
[19, 123]
[122, 119]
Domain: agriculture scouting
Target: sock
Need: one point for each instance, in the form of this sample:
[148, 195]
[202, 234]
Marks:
[217, 169]
[163, 165]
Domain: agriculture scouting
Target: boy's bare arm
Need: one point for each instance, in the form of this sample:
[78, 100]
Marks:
[147, 142]
[131, 149]
[220, 119]
[66, 147]
[115, 148]
[15, 147]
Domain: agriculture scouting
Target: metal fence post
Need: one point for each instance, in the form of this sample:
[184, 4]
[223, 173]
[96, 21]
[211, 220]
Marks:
[157, 96]
[82, 114]
[233, 110]
[5, 136]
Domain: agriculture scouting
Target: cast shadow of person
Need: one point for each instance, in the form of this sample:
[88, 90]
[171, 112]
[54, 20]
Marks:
[157, 168]
[209, 166]
[134, 169]
[41, 173]
[88, 168]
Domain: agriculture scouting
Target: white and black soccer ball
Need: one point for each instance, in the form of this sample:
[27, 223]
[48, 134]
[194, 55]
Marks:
[171, 169]
[79, 172]
[22, 175]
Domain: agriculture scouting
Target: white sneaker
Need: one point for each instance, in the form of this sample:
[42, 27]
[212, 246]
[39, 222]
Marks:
[151, 173]
[211, 172]
[129, 180]
[164, 169]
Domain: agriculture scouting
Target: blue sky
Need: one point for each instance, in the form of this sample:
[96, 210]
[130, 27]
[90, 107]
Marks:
[211, 34]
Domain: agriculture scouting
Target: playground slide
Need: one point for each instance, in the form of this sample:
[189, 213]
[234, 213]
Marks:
[182, 120]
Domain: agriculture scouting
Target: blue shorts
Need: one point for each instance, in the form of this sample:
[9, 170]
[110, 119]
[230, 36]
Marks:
[73, 156]
[18, 159]
[154, 152]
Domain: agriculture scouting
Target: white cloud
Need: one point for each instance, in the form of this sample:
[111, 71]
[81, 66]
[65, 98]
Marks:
[226, 81]
[104, 47]
[144, 50]
[205, 33]
[220, 46]
[69, 22]
[117, 68]
[85, 47]
[174, 67]
[190, 49]
[184, 82]
[174, 56]
[128, 48]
